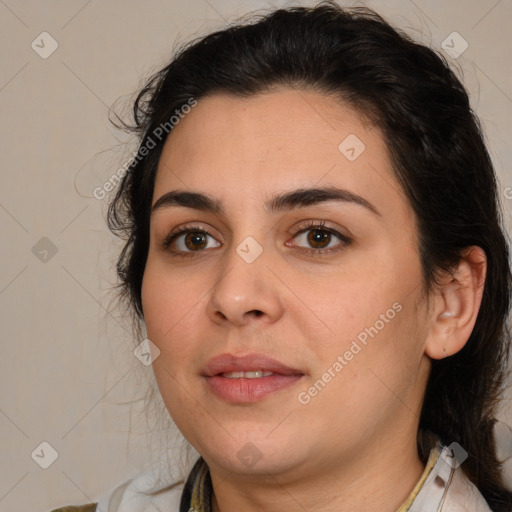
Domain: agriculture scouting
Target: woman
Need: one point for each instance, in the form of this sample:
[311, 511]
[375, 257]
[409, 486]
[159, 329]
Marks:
[316, 252]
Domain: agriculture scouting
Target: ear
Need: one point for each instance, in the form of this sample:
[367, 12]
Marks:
[456, 304]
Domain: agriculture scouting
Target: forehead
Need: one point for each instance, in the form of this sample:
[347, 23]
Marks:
[292, 122]
[286, 138]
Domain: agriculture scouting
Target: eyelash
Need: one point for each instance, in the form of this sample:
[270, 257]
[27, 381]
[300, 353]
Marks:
[320, 225]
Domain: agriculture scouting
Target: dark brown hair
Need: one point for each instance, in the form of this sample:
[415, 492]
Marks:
[438, 155]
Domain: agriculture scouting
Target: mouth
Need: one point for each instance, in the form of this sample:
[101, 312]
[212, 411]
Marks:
[248, 378]
[247, 375]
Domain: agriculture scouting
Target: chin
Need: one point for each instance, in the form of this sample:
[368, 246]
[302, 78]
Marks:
[253, 453]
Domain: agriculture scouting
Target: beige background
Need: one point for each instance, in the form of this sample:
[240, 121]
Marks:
[68, 364]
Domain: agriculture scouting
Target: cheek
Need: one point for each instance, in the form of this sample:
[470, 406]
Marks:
[168, 300]
[360, 373]
[345, 304]
[169, 306]
[368, 318]
[174, 304]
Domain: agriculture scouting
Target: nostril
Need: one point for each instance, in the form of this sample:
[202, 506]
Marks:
[255, 312]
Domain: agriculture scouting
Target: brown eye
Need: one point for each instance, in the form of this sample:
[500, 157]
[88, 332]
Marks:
[319, 238]
[195, 240]
[189, 241]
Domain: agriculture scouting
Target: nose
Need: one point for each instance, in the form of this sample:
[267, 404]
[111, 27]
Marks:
[244, 293]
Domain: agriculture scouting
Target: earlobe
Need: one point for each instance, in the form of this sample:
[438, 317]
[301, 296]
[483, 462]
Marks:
[456, 304]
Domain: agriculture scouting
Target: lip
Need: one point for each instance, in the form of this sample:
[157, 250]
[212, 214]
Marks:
[251, 362]
[243, 390]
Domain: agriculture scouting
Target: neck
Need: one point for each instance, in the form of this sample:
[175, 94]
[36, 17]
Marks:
[380, 479]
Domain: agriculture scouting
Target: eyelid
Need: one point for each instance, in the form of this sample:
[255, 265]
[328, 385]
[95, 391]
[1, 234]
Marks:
[321, 225]
[175, 233]
[312, 223]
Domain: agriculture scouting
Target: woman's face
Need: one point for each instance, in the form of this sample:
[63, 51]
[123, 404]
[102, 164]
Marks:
[298, 245]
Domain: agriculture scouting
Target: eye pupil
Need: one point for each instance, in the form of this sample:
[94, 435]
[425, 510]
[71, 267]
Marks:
[195, 240]
[319, 236]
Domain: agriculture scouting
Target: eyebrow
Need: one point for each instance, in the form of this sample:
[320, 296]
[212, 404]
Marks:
[299, 198]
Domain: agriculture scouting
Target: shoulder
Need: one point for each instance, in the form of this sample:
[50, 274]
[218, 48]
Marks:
[463, 495]
[133, 496]
[89, 507]
[448, 489]
[158, 487]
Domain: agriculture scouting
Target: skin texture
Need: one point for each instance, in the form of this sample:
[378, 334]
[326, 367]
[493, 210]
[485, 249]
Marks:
[353, 445]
